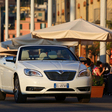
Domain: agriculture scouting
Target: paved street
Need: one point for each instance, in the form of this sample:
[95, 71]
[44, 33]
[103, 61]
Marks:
[49, 104]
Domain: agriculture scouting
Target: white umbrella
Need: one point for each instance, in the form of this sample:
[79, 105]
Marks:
[79, 30]
[76, 30]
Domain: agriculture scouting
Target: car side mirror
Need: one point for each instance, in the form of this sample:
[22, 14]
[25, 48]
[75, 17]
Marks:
[11, 59]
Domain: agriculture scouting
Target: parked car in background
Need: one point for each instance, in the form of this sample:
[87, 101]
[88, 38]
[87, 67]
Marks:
[44, 71]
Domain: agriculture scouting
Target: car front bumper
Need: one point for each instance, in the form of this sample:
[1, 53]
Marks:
[44, 86]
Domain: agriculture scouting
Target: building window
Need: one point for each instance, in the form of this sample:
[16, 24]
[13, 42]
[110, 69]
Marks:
[13, 36]
[68, 4]
[8, 36]
[63, 11]
[39, 14]
[91, 1]
[29, 26]
[84, 4]
[53, 1]
[34, 26]
[53, 15]
[58, 13]
[78, 6]
[20, 26]
[42, 25]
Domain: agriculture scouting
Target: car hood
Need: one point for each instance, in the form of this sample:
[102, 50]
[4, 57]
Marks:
[52, 65]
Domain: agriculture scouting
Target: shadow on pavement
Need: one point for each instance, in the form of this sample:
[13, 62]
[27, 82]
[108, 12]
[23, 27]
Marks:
[104, 99]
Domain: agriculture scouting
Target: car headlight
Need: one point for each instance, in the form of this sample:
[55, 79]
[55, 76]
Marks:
[83, 73]
[30, 72]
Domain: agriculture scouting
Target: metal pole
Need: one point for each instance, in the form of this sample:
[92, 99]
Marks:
[1, 3]
[0, 24]
[32, 15]
[86, 10]
[72, 10]
[49, 13]
[86, 20]
[103, 23]
[18, 19]
[79, 48]
[6, 19]
[72, 17]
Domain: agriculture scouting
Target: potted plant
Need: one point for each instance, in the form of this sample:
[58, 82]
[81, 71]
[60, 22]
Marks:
[97, 86]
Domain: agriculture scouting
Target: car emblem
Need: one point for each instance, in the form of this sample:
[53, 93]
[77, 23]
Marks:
[60, 72]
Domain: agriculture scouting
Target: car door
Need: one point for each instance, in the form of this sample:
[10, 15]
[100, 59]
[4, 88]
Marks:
[7, 77]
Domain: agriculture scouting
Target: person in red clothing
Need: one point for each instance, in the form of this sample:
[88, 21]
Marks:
[96, 70]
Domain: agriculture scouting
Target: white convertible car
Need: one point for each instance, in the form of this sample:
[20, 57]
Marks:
[44, 70]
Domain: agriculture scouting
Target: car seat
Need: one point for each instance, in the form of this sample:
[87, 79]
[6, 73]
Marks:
[42, 56]
[52, 54]
[25, 55]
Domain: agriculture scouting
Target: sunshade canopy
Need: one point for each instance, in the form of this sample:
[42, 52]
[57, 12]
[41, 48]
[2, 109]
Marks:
[8, 52]
[28, 40]
[7, 43]
[2, 49]
[76, 30]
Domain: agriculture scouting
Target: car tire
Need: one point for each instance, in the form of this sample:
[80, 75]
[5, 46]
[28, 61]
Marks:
[19, 98]
[2, 95]
[60, 97]
[84, 98]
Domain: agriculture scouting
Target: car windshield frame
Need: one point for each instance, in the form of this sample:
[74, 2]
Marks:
[71, 56]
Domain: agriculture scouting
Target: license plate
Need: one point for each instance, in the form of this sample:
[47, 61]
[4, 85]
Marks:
[64, 85]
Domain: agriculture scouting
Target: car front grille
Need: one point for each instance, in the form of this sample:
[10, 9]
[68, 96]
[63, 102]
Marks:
[60, 75]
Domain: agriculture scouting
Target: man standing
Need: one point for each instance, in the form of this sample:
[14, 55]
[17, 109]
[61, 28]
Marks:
[87, 63]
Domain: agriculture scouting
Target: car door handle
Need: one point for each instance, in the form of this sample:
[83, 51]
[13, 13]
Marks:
[4, 63]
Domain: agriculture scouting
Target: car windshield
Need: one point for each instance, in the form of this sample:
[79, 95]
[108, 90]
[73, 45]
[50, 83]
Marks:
[45, 53]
